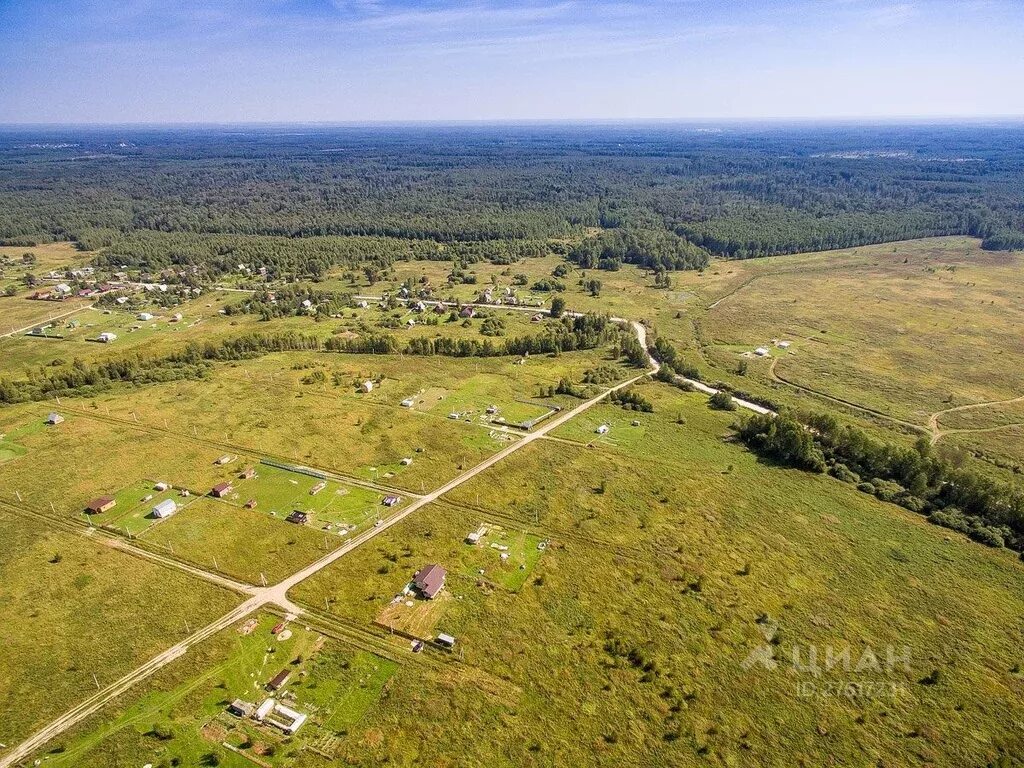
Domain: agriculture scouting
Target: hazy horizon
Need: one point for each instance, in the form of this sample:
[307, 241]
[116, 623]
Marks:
[290, 62]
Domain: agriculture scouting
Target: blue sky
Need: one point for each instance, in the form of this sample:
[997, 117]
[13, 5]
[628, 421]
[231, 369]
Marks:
[365, 60]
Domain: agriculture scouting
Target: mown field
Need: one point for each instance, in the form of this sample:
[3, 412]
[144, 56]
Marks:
[672, 558]
[72, 608]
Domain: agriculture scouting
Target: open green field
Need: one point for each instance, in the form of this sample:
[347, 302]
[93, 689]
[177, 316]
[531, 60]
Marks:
[73, 608]
[657, 588]
[263, 408]
[19, 312]
[46, 257]
[133, 509]
[907, 329]
[91, 455]
[278, 492]
[201, 322]
[242, 543]
[981, 417]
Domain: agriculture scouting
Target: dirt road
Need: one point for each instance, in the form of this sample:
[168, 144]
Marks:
[278, 593]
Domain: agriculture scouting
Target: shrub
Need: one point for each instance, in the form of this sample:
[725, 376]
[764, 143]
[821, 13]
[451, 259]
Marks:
[721, 401]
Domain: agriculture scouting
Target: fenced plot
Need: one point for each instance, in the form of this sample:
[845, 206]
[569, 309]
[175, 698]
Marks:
[279, 492]
[133, 506]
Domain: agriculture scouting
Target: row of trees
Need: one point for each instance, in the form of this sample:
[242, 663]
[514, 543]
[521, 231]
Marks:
[918, 478]
[81, 378]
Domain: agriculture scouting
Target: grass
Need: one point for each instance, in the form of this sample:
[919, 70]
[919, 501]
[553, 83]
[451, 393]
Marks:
[671, 552]
[278, 492]
[74, 608]
[133, 510]
[90, 455]
[262, 408]
[182, 716]
[243, 543]
[47, 257]
[654, 592]
[904, 328]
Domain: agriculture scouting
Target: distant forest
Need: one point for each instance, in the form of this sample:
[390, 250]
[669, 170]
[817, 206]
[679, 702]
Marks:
[301, 200]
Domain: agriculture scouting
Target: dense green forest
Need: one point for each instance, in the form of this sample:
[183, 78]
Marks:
[298, 202]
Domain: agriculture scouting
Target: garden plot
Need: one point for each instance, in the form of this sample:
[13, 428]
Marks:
[279, 492]
[189, 719]
[133, 506]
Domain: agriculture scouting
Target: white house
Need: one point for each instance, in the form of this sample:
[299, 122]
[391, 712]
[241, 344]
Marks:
[407, 403]
[603, 429]
[784, 344]
[62, 288]
[367, 386]
[165, 508]
[106, 337]
[761, 352]
[406, 462]
[54, 418]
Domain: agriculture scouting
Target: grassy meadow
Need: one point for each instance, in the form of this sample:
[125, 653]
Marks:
[72, 608]
[903, 328]
[656, 588]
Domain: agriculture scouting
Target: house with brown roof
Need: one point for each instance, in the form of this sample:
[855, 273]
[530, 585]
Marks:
[429, 580]
[220, 490]
[99, 505]
[278, 680]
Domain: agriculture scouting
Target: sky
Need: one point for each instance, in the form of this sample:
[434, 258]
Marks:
[215, 61]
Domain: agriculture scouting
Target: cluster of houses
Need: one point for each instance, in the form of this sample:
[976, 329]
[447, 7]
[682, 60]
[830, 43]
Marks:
[63, 291]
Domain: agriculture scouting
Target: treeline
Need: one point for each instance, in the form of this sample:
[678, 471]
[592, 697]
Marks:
[672, 363]
[83, 379]
[776, 231]
[917, 478]
[568, 334]
[651, 249]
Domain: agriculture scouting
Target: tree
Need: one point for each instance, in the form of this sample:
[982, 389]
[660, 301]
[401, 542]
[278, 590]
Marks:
[557, 306]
